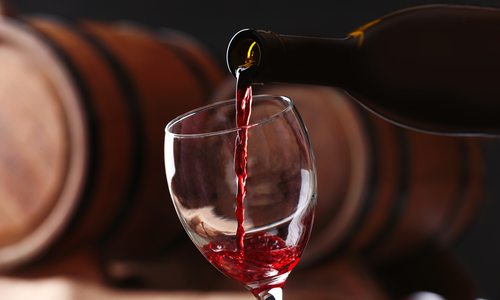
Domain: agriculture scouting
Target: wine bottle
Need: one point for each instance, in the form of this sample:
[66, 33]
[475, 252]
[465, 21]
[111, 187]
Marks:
[434, 68]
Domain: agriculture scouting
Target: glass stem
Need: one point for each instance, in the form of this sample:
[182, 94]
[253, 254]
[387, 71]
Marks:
[272, 294]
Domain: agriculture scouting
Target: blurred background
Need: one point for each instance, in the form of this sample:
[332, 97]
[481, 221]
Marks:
[215, 23]
[471, 261]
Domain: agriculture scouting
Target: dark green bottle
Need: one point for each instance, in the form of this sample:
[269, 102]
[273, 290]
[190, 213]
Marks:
[434, 68]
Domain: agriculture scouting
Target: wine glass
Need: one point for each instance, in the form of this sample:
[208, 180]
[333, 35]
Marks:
[280, 189]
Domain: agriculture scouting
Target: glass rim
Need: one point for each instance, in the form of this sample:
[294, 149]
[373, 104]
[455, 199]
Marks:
[288, 106]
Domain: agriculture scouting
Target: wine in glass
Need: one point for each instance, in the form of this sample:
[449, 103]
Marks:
[279, 195]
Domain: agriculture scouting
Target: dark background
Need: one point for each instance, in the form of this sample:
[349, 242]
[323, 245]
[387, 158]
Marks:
[214, 22]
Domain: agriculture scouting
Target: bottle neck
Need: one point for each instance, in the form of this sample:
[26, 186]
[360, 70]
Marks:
[295, 59]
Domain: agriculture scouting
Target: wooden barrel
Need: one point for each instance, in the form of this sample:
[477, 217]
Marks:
[83, 108]
[383, 191]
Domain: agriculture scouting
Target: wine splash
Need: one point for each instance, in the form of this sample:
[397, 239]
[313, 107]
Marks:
[274, 220]
[260, 261]
[243, 111]
[265, 262]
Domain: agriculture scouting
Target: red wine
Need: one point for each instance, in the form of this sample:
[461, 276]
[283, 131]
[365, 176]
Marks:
[264, 262]
[433, 68]
[267, 256]
[243, 111]
[260, 261]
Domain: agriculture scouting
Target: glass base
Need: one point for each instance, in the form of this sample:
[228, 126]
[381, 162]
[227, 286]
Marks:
[272, 294]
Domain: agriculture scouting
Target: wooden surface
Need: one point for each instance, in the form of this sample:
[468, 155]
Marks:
[42, 141]
[59, 288]
[66, 289]
[84, 105]
[383, 191]
[34, 145]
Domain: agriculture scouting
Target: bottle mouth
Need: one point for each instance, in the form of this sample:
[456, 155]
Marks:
[244, 51]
